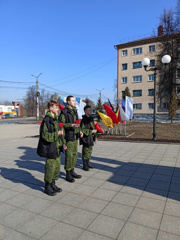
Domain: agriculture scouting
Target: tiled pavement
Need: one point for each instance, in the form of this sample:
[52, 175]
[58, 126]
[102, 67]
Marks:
[133, 194]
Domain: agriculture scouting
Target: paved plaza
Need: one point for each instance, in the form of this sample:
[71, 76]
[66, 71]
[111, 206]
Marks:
[132, 194]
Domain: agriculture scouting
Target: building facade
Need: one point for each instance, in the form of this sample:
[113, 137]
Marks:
[131, 74]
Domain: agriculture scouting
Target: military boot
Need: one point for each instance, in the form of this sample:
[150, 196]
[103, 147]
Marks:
[74, 175]
[54, 187]
[89, 165]
[69, 178]
[85, 166]
[48, 189]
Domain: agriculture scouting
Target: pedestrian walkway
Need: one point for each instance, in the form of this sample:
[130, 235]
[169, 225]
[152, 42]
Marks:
[132, 194]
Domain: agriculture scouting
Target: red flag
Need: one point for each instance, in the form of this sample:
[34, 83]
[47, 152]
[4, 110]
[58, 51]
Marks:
[98, 128]
[61, 107]
[111, 114]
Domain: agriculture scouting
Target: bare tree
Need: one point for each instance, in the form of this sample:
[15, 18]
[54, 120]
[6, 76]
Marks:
[169, 78]
[173, 106]
[30, 101]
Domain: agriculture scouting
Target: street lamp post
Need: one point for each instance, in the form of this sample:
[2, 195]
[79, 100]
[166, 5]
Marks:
[37, 96]
[146, 62]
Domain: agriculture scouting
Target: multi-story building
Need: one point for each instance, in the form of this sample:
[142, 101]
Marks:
[131, 74]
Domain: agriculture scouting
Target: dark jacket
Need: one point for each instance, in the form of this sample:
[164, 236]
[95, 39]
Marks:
[68, 116]
[50, 142]
[87, 125]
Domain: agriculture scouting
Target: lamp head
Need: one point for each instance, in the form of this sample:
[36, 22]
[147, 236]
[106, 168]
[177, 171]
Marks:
[166, 59]
[145, 62]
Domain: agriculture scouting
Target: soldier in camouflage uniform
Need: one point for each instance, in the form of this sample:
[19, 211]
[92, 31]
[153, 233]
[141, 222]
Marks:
[89, 136]
[68, 117]
[50, 145]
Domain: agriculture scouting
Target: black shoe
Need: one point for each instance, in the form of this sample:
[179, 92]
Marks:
[89, 165]
[54, 187]
[69, 178]
[75, 175]
[85, 166]
[48, 189]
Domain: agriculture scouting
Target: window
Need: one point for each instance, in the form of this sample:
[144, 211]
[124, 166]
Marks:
[9, 109]
[152, 48]
[165, 105]
[178, 89]
[150, 92]
[178, 73]
[137, 51]
[124, 53]
[123, 94]
[137, 65]
[137, 106]
[151, 77]
[124, 66]
[137, 93]
[1, 109]
[151, 105]
[137, 78]
[152, 63]
[124, 79]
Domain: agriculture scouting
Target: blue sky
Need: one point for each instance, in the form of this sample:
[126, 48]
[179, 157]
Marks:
[70, 42]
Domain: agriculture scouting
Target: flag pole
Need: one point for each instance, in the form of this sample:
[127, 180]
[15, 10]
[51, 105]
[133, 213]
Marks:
[125, 128]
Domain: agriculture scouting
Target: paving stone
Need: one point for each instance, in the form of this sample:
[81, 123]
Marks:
[17, 236]
[72, 199]
[167, 236]
[93, 205]
[137, 182]
[84, 190]
[5, 209]
[158, 185]
[133, 231]
[103, 194]
[4, 231]
[155, 193]
[100, 224]
[175, 187]
[92, 236]
[80, 218]
[136, 190]
[117, 211]
[37, 226]
[17, 218]
[127, 199]
[63, 231]
[172, 209]
[20, 200]
[146, 218]
[57, 211]
[37, 205]
[111, 186]
[151, 204]
[7, 194]
[95, 182]
[170, 224]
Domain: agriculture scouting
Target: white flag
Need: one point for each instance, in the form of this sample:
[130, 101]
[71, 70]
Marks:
[129, 107]
[123, 115]
[80, 109]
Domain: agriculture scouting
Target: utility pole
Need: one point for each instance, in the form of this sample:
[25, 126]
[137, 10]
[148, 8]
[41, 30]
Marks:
[100, 93]
[37, 96]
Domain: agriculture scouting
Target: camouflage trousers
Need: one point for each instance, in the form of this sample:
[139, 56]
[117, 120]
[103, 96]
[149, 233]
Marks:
[52, 169]
[86, 152]
[71, 155]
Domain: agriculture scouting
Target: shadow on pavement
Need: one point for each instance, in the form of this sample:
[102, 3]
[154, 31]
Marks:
[156, 179]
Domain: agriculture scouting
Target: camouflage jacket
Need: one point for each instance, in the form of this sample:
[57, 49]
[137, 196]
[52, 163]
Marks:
[51, 136]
